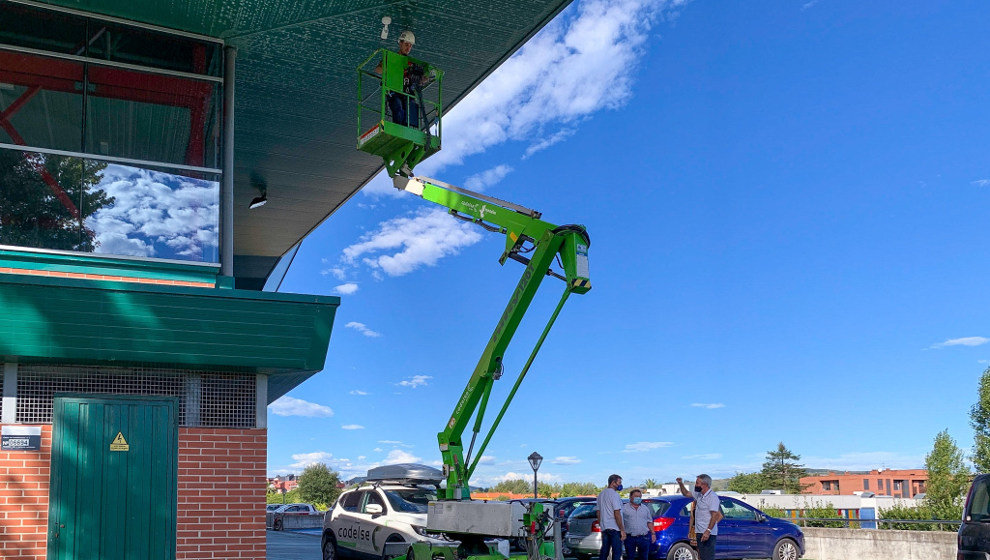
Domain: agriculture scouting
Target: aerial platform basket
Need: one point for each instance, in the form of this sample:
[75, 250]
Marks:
[399, 109]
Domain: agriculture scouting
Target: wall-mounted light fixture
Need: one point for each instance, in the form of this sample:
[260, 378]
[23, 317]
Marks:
[386, 21]
[258, 182]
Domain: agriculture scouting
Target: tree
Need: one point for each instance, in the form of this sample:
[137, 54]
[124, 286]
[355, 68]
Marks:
[747, 483]
[514, 486]
[650, 483]
[948, 478]
[579, 489]
[49, 211]
[781, 469]
[318, 484]
[979, 419]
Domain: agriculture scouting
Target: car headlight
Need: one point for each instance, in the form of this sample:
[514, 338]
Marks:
[420, 530]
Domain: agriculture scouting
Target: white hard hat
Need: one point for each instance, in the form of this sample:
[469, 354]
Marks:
[408, 37]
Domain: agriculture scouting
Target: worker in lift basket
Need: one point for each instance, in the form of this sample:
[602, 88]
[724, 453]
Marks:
[404, 108]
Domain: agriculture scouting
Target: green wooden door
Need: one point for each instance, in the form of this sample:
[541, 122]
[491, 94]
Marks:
[113, 478]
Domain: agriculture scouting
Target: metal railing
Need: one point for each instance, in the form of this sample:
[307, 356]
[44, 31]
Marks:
[858, 523]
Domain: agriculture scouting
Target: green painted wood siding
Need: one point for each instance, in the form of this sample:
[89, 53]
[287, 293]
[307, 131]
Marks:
[77, 321]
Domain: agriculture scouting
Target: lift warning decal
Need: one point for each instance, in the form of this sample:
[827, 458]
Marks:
[119, 443]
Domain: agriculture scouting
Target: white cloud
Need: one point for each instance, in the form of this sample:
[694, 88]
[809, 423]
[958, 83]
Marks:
[291, 406]
[709, 406]
[303, 460]
[646, 446]
[361, 457]
[486, 460]
[358, 392]
[548, 141]
[965, 341]
[399, 456]
[808, 5]
[704, 456]
[394, 442]
[363, 329]
[416, 381]
[574, 67]
[378, 450]
[402, 245]
[346, 289]
[566, 461]
[481, 181]
[982, 182]
[352, 427]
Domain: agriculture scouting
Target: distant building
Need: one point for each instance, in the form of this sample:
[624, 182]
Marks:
[885, 482]
[283, 483]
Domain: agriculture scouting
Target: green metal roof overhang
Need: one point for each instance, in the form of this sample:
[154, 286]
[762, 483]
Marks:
[93, 321]
[295, 107]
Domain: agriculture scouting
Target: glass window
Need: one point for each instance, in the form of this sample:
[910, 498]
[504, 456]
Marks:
[978, 506]
[866, 484]
[733, 510]
[411, 500]
[658, 507]
[686, 510]
[75, 204]
[585, 511]
[59, 104]
[351, 501]
[374, 498]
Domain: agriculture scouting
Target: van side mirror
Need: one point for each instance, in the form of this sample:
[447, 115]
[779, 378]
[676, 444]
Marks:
[373, 509]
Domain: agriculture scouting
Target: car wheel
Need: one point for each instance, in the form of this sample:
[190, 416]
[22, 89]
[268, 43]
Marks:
[393, 538]
[330, 548]
[785, 549]
[277, 525]
[682, 551]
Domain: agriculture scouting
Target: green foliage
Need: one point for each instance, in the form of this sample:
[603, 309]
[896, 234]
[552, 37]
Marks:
[292, 496]
[548, 490]
[922, 513]
[747, 483]
[318, 484]
[979, 419]
[31, 215]
[774, 512]
[782, 470]
[579, 489]
[514, 486]
[650, 483]
[821, 510]
[948, 476]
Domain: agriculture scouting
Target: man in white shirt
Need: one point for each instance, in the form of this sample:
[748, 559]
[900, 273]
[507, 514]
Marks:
[707, 514]
[638, 521]
[610, 519]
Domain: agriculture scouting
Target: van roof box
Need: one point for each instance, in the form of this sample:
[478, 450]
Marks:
[405, 473]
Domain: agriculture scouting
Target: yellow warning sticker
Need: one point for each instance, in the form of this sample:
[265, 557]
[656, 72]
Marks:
[119, 443]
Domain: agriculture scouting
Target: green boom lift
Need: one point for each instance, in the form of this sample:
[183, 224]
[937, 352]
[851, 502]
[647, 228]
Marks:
[403, 143]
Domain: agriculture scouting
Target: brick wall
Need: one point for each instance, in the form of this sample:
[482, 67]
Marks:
[24, 501]
[221, 496]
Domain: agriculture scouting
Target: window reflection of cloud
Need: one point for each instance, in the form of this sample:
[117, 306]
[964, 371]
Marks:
[156, 214]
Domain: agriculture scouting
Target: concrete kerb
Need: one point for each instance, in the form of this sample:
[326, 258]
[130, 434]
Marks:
[842, 544]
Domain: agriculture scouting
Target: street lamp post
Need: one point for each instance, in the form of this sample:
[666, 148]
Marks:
[535, 459]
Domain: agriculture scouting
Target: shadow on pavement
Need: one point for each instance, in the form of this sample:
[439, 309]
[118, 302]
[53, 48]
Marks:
[290, 545]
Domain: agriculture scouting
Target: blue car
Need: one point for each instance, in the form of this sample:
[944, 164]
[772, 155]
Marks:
[744, 532]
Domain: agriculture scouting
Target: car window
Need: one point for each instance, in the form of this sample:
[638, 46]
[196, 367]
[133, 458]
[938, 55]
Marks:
[410, 500]
[374, 498]
[585, 511]
[686, 510]
[352, 501]
[978, 507]
[734, 510]
[658, 507]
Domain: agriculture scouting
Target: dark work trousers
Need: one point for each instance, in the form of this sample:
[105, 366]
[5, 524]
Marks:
[405, 111]
[611, 541]
[638, 547]
[706, 549]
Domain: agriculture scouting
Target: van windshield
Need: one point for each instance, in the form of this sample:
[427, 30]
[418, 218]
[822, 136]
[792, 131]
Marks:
[978, 507]
[413, 500]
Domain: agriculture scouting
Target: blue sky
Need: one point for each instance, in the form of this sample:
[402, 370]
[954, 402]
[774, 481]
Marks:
[786, 202]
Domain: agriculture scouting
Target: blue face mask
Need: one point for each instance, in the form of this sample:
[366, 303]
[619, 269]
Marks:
[637, 500]
[618, 488]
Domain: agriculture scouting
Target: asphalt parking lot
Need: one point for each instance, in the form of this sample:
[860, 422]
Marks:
[291, 545]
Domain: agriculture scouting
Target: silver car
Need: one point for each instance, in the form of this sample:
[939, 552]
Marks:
[584, 536]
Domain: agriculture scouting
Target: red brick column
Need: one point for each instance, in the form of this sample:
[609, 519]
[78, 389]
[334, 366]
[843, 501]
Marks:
[24, 501]
[221, 494]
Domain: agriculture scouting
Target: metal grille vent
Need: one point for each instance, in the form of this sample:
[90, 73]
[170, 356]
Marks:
[205, 399]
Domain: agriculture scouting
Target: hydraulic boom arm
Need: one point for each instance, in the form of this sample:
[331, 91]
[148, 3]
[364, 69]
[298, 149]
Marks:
[536, 244]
